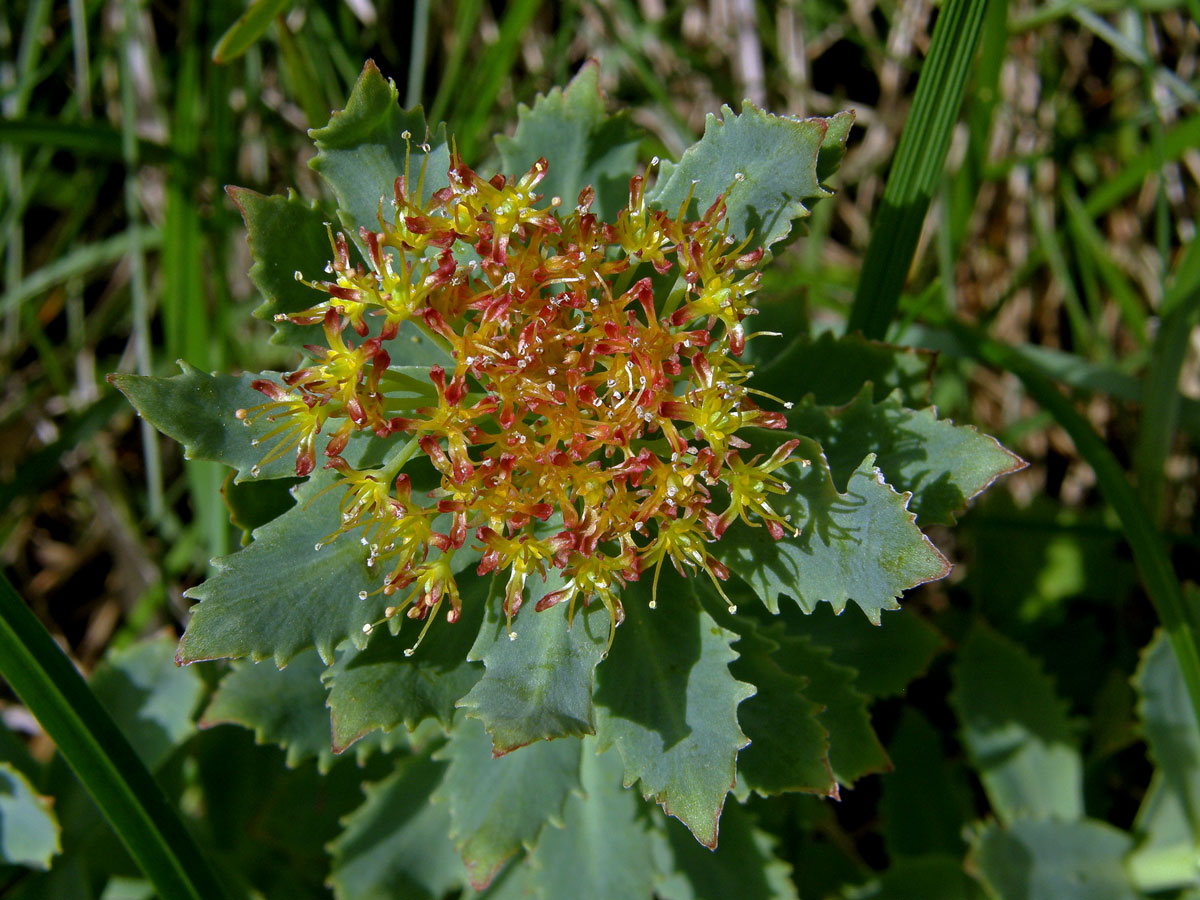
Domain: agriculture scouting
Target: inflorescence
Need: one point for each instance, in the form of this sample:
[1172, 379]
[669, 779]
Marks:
[590, 421]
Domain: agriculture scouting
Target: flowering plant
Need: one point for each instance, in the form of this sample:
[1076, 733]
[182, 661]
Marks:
[540, 388]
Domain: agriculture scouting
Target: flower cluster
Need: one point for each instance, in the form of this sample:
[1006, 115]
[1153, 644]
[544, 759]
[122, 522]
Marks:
[589, 421]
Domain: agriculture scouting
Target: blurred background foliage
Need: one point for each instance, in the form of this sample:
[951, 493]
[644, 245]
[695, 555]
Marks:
[1068, 202]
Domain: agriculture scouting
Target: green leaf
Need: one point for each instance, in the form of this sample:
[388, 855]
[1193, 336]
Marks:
[886, 659]
[1046, 860]
[668, 702]
[927, 797]
[254, 503]
[861, 545]
[581, 143]
[248, 28]
[362, 151]
[854, 750]
[832, 370]
[381, 687]
[941, 464]
[279, 595]
[28, 829]
[285, 707]
[499, 804]
[286, 236]
[603, 850]
[789, 747]
[1016, 731]
[516, 882]
[396, 844]
[538, 686]
[744, 866]
[1166, 858]
[924, 878]
[1169, 818]
[198, 411]
[1170, 729]
[776, 158]
[151, 699]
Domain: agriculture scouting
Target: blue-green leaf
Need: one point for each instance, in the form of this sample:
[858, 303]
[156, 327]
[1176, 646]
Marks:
[152, 701]
[284, 706]
[582, 144]
[381, 687]
[941, 464]
[769, 168]
[860, 545]
[396, 843]
[199, 411]
[1016, 731]
[667, 701]
[363, 150]
[281, 595]
[499, 804]
[538, 685]
[28, 829]
[1047, 860]
[603, 850]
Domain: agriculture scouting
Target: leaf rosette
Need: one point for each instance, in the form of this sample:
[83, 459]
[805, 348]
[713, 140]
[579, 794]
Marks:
[532, 389]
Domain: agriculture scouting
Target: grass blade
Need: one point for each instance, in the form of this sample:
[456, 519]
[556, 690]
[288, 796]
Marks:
[88, 739]
[918, 165]
[494, 68]
[130, 10]
[247, 29]
[415, 89]
[1161, 399]
[79, 262]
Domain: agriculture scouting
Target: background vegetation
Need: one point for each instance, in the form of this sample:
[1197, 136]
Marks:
[1059, 250]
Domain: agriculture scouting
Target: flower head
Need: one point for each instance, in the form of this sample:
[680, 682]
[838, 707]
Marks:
[586, 420]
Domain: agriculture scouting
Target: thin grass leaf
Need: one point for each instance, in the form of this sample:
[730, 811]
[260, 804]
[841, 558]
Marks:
[91, 139]
[1135, 53]
[187, 322]
[493, 69]
[918, 166]
[303, 80]
[1090, 246]
[417, 54]
[1082, 333]
[1161, 400]
[248, 28]
[107, 765]
[466, 14]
